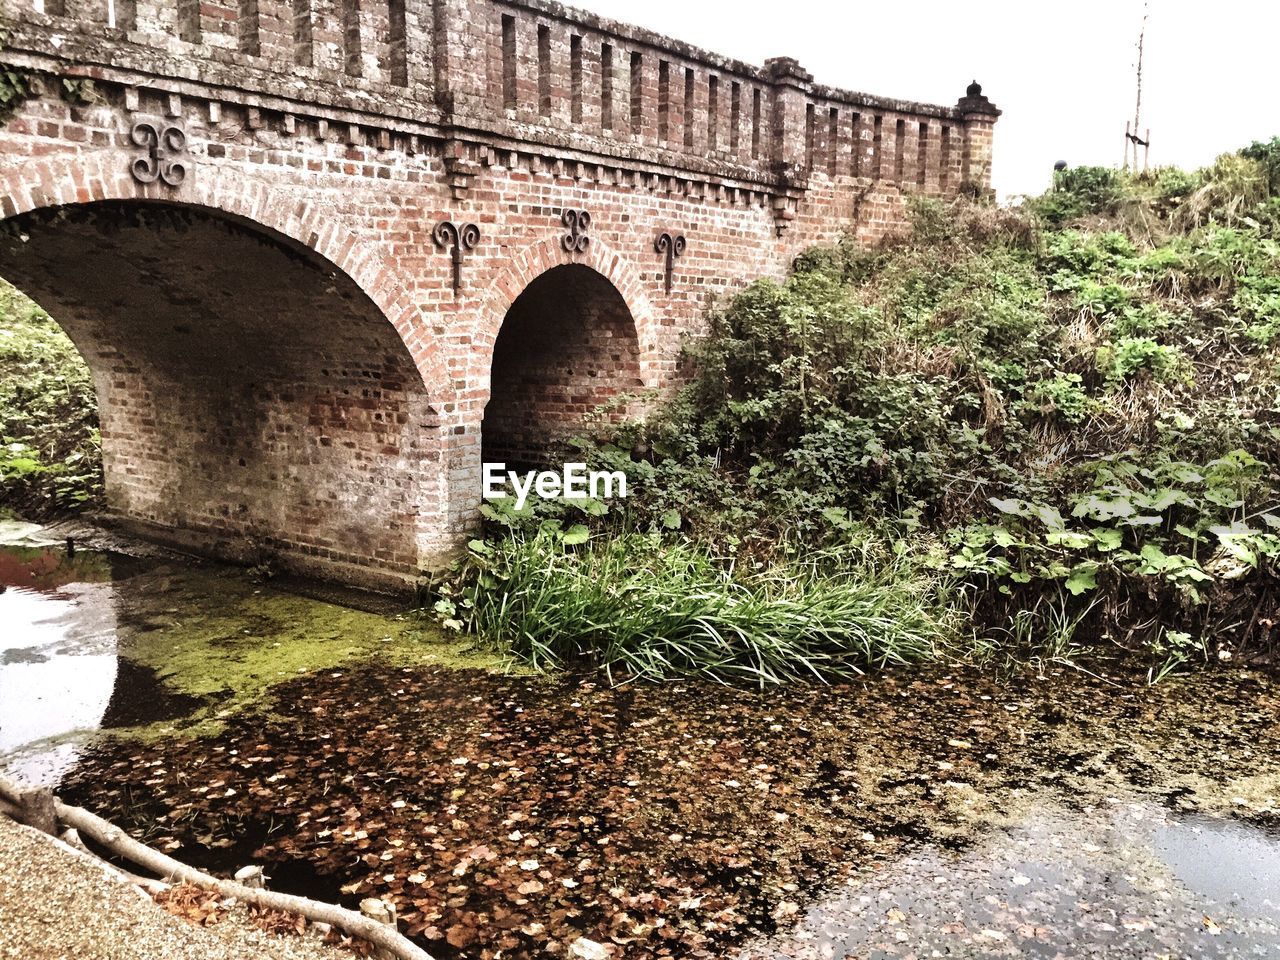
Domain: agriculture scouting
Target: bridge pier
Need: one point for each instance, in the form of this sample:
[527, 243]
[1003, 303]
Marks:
[254, 402]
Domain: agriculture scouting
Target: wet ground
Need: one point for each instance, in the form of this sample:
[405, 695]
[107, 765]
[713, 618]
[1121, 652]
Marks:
[930, 813]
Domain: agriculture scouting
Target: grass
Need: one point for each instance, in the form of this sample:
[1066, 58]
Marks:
[639, 609]
[50, 452]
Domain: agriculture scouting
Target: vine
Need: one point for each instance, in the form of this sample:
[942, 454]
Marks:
[18, 85]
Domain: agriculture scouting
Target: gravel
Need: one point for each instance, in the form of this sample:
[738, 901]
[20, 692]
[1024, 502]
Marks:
[55, 905]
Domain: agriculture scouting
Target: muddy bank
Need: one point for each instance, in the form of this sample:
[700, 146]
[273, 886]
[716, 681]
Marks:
[509, 817]
[358, 753]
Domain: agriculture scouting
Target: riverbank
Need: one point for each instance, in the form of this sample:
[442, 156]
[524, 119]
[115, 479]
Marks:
[514, 816]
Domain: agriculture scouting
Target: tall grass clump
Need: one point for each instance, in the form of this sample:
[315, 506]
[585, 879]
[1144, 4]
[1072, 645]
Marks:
[641, 609]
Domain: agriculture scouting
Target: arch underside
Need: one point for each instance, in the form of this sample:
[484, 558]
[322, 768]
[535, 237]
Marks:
[567, 351]
[252, 397]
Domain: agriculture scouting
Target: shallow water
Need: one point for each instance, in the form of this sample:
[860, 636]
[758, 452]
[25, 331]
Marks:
[919, 814]
[94, 640]
[1125, 879]
[58, 657]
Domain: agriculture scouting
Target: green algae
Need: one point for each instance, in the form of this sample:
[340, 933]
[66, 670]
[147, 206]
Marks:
[213, 634]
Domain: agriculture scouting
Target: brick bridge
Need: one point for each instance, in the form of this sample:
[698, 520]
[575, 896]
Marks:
[317, 252]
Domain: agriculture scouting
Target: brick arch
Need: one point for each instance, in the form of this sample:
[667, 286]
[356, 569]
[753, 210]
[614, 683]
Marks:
[61, 181]
[334, 517]
[536, 259]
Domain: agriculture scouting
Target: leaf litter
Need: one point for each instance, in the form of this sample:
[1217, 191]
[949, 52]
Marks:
[511, 817]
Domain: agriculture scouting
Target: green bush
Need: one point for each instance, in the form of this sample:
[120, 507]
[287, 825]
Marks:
[1085, 416]
[1063, 397]
[1230, 190]
[1266, 153]
[50, 455]
[1081, 191]
[1128, 356]
[1146, 544]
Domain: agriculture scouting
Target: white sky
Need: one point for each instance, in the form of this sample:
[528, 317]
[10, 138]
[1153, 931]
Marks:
[1063, 72]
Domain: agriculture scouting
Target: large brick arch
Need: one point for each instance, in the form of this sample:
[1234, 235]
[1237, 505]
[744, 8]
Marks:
[536, 259]
[357, 151]
[84, 178]
[254, 400]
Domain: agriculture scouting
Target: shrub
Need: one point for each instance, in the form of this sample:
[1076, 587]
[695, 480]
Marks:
[1128, 356]
[1063, 397]
[1266, 153]
[1144, 542]
[1086, 416]
[1231, 189]
[1080, 191]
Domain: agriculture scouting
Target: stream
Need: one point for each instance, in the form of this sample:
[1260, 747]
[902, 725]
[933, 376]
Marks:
[935, 811]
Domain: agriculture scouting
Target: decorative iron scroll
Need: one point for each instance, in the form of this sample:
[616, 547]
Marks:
[449, 235]
[164, 146]
[576, 240]
[672, 247]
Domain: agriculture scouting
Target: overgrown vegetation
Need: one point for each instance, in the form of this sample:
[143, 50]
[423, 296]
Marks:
[1031, 430]
[50, 455]
[1055, 425]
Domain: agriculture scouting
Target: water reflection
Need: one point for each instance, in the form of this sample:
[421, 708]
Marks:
[1128, 879]
[1232, 863]
[99, 640]
[58, 657]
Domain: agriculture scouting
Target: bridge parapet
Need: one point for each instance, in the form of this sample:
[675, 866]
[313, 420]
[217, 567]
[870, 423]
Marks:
[493, 78]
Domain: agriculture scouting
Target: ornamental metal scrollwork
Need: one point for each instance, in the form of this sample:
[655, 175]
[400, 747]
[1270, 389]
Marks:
[448, 235]
[672, 247]
[576, 240]
[162, 162]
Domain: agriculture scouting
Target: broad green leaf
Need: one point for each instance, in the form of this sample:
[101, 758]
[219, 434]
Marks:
[1003, 538]
[575, 535]
[1108, 538]
[1015, 507]
[1083, 577]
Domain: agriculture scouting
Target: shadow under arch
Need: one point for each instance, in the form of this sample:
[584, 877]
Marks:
[567, 348]
[254, 399]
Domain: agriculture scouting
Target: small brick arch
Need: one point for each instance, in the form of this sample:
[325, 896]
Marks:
[61, 181]
[536, 259]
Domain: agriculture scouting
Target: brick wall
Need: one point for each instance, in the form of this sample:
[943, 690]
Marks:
[335, 151]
